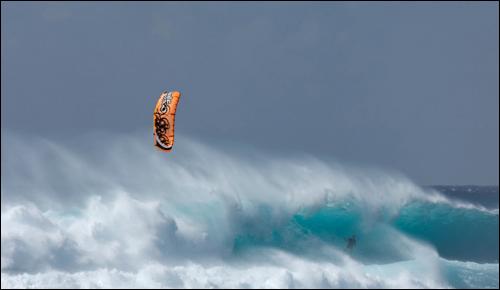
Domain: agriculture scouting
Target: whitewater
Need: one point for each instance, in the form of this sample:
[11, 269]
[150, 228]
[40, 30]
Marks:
[113, 212]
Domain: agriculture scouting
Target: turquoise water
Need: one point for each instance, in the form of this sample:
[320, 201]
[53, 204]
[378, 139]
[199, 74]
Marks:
[457, 234]
[465, 239]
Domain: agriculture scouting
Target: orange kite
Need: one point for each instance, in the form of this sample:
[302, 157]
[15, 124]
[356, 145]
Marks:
[164, 120]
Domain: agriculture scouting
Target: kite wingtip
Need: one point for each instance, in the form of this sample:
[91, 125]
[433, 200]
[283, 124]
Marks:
[176, 94]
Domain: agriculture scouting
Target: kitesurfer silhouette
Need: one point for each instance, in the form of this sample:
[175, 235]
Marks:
[351, 242]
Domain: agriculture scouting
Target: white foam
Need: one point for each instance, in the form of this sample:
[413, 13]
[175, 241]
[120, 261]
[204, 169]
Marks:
[128, 215]
[282, 270]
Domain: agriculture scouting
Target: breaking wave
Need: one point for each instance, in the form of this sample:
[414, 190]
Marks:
[114, 212]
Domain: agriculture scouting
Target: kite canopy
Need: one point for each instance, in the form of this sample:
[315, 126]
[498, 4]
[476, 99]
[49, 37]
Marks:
[164, 120]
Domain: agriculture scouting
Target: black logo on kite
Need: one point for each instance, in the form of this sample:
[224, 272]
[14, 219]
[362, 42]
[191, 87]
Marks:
[161, 127]
[161, 124]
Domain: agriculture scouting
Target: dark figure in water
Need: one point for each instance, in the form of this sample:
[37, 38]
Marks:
[351, 242]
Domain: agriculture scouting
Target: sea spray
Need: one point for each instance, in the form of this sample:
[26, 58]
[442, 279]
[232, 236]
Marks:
[116, 210]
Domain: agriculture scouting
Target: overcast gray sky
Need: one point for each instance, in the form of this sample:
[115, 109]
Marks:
[408, 86]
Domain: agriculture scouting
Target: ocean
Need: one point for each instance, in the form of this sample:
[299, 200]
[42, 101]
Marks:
[113, 212]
